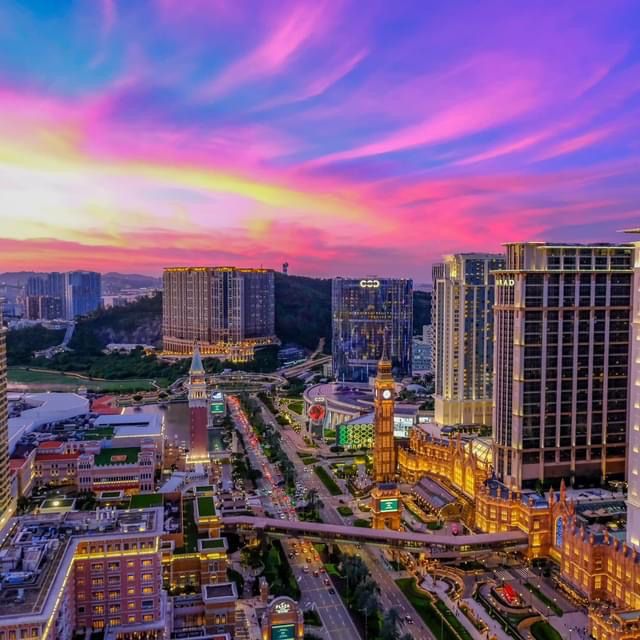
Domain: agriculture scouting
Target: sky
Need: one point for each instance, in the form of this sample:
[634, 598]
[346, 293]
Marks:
[345, 138]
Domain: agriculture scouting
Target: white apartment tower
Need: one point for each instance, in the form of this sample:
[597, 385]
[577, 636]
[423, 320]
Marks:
[463, 297]
[562, 328]
[633, 438]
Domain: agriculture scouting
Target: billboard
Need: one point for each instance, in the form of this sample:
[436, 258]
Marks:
[388, 504]
[217, 407]
[283, 632]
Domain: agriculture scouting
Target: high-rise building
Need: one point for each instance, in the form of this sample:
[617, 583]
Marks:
[82, 292]
[198, 413]
[562, 325]
[633, 436]
[43, 307]
[228, 311]
[5, 475]
[464, 293]
[363, 312]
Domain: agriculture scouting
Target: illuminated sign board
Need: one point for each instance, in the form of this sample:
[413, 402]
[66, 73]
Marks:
[282, 607]
[389, 504]
[505, 282]
[283, 632]
[217, 407]
[370, 284]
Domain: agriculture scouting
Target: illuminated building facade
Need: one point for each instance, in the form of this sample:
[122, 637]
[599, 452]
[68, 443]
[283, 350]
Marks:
[227, 310]
[633, 442]
[363, 311]
[198, 409]
[562, 317]
[95, 572]
[5, 475]
[464, 292]
[385, 496]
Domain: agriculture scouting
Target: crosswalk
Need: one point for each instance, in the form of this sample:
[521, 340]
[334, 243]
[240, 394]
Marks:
[514, 573]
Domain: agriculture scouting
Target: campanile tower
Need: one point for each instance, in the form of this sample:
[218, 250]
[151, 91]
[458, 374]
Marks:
[199, 445]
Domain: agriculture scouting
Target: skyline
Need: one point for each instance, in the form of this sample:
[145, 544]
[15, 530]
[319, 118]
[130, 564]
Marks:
[139, 137]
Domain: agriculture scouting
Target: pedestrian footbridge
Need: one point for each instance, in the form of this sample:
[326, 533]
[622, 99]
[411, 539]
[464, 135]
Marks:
[434, 544]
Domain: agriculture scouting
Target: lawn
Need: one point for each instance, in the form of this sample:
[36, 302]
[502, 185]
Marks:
[20, 375]
[146, 500]
[546, 600]
[297, 406]
[363, 524]
[345, 511]
[542, 630]
[327, 481]
[431, 615]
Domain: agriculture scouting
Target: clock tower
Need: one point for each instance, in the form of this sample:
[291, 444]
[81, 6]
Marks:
[384, 449]
[385, 497]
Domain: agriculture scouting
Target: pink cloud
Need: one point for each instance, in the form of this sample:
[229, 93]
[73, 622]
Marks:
[301, 24]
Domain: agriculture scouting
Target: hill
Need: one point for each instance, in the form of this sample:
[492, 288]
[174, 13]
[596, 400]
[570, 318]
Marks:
[303, 310]
[139, 322]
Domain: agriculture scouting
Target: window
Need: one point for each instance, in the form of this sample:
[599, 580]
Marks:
[147, 577]
[98, 610]
[131, 604]
[97, 566]
[147, 617]
[114, 595]
[131, 619]
[147, 590]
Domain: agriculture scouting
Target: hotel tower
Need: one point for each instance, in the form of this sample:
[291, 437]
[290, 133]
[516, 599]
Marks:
[562, 319]
[464, 292]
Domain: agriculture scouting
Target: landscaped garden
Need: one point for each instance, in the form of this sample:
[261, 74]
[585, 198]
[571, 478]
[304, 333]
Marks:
[327, 481]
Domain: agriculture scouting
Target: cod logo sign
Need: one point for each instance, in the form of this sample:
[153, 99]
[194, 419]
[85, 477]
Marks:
[369, 284]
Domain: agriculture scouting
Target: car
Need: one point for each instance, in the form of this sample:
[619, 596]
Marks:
[332, 591]
[305, 569]
[327, 581]
[323, 570]
[316, 574]
[408, 619]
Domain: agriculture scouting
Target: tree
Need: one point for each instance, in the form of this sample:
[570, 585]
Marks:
[390, 625]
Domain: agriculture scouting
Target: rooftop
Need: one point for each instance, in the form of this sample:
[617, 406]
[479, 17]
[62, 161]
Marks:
[206, 507]
[117, 455]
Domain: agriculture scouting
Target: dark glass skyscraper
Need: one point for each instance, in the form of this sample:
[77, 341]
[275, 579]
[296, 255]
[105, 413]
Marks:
[363, 311]
[82, 293]
[561, 373]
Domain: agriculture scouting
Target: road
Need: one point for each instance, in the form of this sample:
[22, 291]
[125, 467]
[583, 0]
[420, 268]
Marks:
[391, 595]
[307, 568]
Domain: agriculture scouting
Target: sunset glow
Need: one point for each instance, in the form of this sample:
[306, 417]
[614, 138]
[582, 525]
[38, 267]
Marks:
[344, 140]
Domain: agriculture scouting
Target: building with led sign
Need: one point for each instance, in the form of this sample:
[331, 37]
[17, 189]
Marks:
[363, 309]
[464, 293]
[282, 620]
[229, 311]
[562, 362]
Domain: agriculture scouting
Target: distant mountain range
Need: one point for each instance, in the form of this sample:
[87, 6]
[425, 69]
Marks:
[111, 282]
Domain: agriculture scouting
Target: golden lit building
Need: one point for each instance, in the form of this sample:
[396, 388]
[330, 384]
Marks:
[385, 497]
[229, 311]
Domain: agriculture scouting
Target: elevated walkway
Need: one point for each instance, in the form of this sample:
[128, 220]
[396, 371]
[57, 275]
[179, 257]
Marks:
[436, 545]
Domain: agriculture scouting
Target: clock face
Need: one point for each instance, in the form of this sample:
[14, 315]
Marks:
[386, 394]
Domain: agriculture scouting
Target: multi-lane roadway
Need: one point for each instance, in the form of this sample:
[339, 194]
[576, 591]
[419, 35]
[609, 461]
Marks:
[316, 589]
